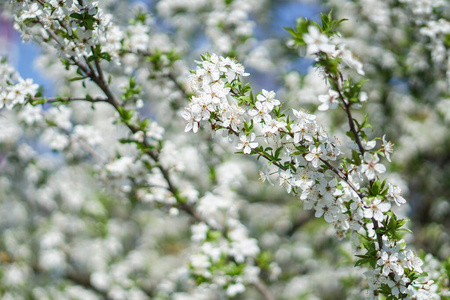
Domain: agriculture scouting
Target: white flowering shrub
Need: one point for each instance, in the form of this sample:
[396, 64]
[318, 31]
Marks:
[134, 179]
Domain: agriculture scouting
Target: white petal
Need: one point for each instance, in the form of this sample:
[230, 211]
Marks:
[380, 168]
[384, 206]
[370, 145]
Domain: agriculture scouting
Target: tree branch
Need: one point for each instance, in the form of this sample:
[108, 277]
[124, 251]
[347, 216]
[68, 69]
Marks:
[262, 289]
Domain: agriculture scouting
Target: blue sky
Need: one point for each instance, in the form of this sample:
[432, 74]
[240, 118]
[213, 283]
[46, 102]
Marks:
[23, 54]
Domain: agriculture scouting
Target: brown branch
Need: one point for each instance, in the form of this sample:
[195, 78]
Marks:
[379, 236]
[66, 99]
[343, 177]
[178, 85]
[112, 100]
[74, 278]
[168, 75]
[263, 290]
[174, 190]
[89, 150]
[351, 123]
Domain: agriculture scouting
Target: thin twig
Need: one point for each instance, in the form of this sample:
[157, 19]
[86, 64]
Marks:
[343, 177]
[351, 124]
[349, 115]
[262, 289]
[66, 99]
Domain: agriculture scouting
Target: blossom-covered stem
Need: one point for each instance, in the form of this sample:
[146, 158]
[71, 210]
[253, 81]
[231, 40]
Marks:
[99, 69]
[111, 99]
[89, 72]
[98, 78]
[336, 171]
[367, 210]
[347, 107]
[259, 152]
[50, 32]
[169, 75]
[343, 177]
[379, 236]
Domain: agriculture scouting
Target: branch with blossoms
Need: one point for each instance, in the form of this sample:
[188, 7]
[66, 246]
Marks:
[346, 190]
[86, 56]
[78, 33]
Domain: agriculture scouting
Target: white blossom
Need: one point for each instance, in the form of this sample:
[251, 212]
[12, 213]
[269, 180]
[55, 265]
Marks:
[371, 166]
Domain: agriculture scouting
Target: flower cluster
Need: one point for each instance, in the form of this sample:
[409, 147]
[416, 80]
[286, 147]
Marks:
[301, 152]
[83, 31]
[13, 88]
[317, 42]
[225, 257]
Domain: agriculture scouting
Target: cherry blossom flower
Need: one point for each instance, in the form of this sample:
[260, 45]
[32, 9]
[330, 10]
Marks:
[327, 209]
[33, 12]
[247, 143]
[272, 125]
[192, 121]
[395, 194]
[371, 167]
[259, 112]
[286, 180]
[265, 175]
[391, 263]
[268, 99]
[376, 208]
[317, 41]
[412, 262]
[398, 286]
[329, 101]
[387, 148]
[314, 155]
[302, 130]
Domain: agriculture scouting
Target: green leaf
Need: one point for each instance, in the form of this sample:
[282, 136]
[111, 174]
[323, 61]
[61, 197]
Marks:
[277, 153]
[77, 78]
[356, 158]
[361, 262]
[76, 16]
[213, 235]
[264, 259]
[376, 187]
[38, 101]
